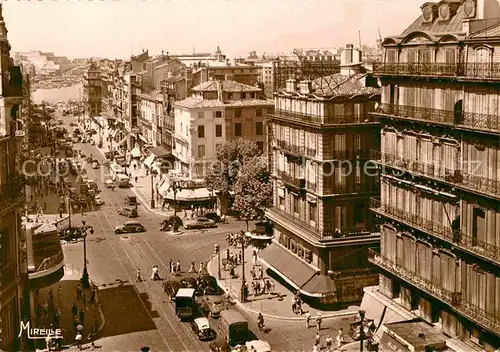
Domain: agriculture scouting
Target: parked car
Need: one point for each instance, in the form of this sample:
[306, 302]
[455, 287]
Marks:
[109, 184]
[69, 234]
[202, 329]
[130, 227]
[213, 305]
[199, 223]
[95, 164]
[170, 221]
[209, 285]
[129, 212]
[212, 216]
[131, 200]
[98, 200]
[170, 288]
[72, 124]
[191, 282]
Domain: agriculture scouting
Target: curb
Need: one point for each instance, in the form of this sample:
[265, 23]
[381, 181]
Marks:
[145, 204]
[269, 316]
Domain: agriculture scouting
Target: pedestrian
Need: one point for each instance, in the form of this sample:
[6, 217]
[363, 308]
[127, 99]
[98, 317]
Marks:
[136, 178]
[200, 271]
[178, 267]
[74, 310]
[308, 320]
[192, 268]
[294, 302]
[84, 299]
[156, 276]
[171, 266]
[92, 296]
[240, 256]
[138, 275]
[328, 343]
[319, 320]
[78, 339]
[153, 273]
[340, 338]
[317, 339]
[82, 316]
[78, 292]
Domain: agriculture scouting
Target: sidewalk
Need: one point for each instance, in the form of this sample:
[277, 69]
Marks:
[277, 305]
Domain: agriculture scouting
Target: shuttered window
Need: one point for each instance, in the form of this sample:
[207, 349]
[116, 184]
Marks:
[411, 147]
[436, 268]
[409, 250]
[448, 272]
[390, 244]
[400, 254]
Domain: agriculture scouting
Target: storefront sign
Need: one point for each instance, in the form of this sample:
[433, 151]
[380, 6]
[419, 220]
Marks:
[394, 343]
[39, 333]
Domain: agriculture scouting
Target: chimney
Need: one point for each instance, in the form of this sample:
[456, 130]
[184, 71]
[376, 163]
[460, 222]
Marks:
[305, 87]
[350, 61]
[291, 85]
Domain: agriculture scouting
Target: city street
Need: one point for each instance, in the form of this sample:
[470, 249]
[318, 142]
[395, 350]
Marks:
[137, 314]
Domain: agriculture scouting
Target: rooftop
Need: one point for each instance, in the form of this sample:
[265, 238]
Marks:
[227, 86]
[197, 103]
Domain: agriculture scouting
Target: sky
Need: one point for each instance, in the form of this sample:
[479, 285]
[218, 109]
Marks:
[117, 28]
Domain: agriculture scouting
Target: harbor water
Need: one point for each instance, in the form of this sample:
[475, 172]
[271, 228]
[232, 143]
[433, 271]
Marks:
[55, 95]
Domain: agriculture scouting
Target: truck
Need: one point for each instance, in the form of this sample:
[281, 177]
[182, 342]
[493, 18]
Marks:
[185, 303]
[233, 327]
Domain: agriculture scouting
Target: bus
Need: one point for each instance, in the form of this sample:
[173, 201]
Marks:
[122, 180]
[233, 327]
[185, 303]
[116, 170]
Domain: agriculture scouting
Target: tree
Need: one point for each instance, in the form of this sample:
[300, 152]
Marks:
[231, 156]
[253, 189]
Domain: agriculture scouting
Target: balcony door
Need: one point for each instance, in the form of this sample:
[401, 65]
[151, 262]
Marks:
[478, 226]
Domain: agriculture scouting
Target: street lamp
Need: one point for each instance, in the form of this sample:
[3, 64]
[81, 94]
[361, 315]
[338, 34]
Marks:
[85, 275]
[242, 239]
[175, 187]
[217, 252]
[153, 172]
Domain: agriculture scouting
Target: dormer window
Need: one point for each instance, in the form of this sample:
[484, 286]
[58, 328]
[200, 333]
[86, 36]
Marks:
[444, 12]
[470, 8]
[428, 13]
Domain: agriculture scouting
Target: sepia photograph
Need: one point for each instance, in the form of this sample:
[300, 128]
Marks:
[250, 175]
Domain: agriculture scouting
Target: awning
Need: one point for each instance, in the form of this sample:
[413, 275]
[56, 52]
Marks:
[113, 133]
[319, 286]
[149, 160]
[97, 122]
[189, 195]
[391, 344]
[163, 186]
[161, 152]
[289, 267]
[136, 152]
[123, 142]
[407, 336]
[142, 138]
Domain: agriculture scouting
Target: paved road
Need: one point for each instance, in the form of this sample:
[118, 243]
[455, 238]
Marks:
[137, 314]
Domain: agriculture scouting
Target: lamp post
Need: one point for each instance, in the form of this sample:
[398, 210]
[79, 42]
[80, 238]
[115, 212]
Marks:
[152, 190]
[85, 275]
[243, 242]
[175, 187]
[217, 252]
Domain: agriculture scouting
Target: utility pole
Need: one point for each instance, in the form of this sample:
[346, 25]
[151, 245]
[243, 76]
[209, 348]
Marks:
[243, 281]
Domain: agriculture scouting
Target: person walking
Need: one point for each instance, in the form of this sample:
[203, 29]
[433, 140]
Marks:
[82, 317]
[78, 292]
[78, 339]
[308, 320]
[319, 320]
[138, 277]
[178, 267]
[171, 266]
[340, 338]
[328, 343]
[192, 268]
[74, 310]
[200, 271]
[317, 339]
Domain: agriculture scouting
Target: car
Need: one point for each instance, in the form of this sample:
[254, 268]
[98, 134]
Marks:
[170, 221]
[171, 287]
[109, 184]
[209, 285]
[69, 234]
[212, 216]
[98, 200]
[131, 200]
[95, 164]
[130, 227]
[202, 329]
[214, 304]
[129, 212]
[92, 131]
[72, 124]
[199, 223]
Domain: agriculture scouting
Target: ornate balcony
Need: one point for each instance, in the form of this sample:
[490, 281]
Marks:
[478, 121]
[481, 70]
[7, 275]
[12, 194]
[297, 182]
[416, 113]
[311, 152]
[465, 242]
[311, 186]
[456, 177]
[318, 121]
[435, 290]
[452, 298]
[285, 219]
[297, 150]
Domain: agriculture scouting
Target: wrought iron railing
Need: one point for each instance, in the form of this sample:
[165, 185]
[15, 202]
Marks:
[289, 147]
[316, 232]
[7, 274]
[12, 193]
[457, 237]
[454, 176]
[323, 120]
[311, 152]
[454, 298]
[481, 121]
[312, 186]
[469, 69]
[296, 181]
[51, 261]
[417, 113]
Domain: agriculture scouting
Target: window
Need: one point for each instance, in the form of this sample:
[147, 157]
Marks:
[218, 114]
[237, 130]
[359, 214]
[295, 200]
[237, 113]
[218, 130]
[281, 201]
[201, 115]
[252, 95]
[201, 151]
[243, 95]
[261, 146]
[259, 128]
[313, 211]
[478, 225]
[230, 96]
[357, 142]
[258, 112]
[201, 131]
[340, 220]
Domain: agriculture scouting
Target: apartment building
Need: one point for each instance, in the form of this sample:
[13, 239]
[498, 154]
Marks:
[226, 70]
[150, 118]
[217, 111]
[440, 181]
[267, 77]
[92, 92]
[13, 273]
[320, 134]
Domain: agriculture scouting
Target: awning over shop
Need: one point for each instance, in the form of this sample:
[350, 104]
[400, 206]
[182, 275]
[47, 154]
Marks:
[189, 195]
[123, 142]
[96, 121]
[163, 186]
[161, 152]
[149, 160]
[391, 344]
[291, 269]
[319, 286]
[412, 336]
[136, 152]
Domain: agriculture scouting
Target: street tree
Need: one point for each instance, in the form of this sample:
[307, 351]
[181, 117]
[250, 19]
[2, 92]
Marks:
[253, 189]
[231, 156]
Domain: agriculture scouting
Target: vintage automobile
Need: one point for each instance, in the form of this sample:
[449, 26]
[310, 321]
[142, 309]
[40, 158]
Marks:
[214, 304]
[130, 227]
[170, 288]
[202, 329]
[131, 200]
[129, 212]
[212, 216]
[98, 200]
[109, 184]
[95, 164]
[199, 223]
